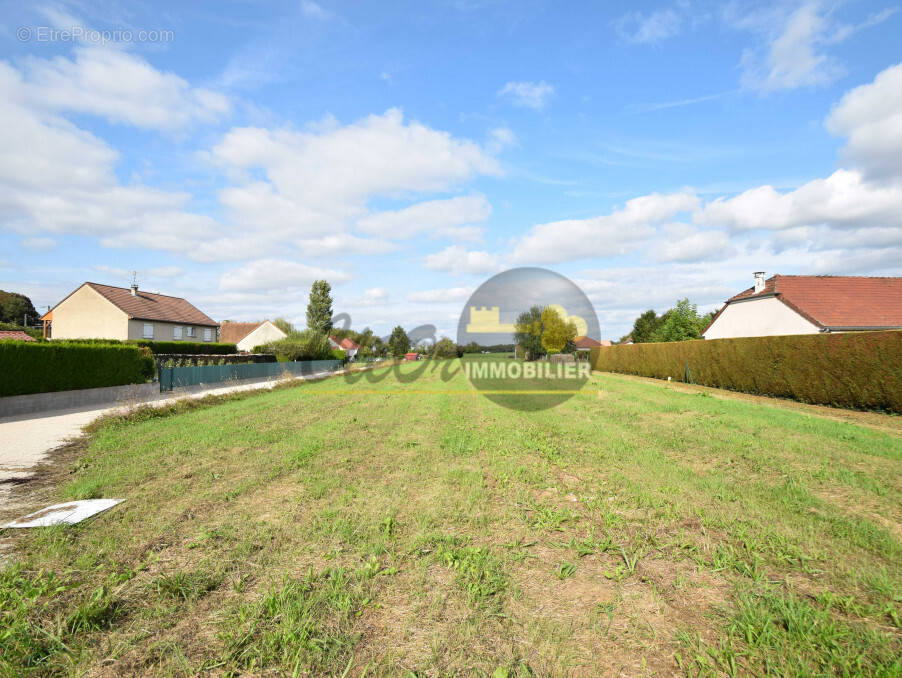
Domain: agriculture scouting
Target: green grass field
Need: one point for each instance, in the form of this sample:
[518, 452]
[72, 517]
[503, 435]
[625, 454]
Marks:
[412, 527]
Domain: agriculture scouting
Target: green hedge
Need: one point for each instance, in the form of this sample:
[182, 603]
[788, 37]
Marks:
[33, 367]
[167, 347]
[186, 347]
[305, 345]
[861, 370]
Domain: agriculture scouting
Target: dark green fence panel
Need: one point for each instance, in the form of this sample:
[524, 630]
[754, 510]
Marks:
[177, 377]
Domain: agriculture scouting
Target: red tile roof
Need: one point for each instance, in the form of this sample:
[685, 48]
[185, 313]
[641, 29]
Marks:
[346, 343]
[588, 342]
[232, 333]
[837, 302]
[149, 306]
[16, 335]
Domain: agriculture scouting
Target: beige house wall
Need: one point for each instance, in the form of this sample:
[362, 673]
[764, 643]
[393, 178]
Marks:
[164, 331]
[759, 318]
[265, 333]
[86, 314]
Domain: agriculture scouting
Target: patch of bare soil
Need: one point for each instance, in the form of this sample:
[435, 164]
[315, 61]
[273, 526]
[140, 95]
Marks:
[421, 620]
[37, 490]
[855, 504]
[597, 623]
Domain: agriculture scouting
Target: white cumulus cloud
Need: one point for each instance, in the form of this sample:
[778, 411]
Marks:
[121, 87]
[321, 180]
[277, 275]
[842, 200]
[870, 116]
[427, 217]
[619, 232]
[457, 259]
[684, 242]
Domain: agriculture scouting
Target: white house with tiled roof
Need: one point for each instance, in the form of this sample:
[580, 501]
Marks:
[348, 345]
[95, 311]
[808, 304]
[248, 335]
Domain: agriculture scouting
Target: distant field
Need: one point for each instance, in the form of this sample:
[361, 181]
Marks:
[415, 528]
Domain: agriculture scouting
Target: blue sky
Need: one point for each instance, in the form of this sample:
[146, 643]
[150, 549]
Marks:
[232, 152]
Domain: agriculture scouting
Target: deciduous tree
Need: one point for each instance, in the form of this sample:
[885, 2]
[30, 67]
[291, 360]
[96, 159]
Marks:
[682, 323]
[556, 332]
[444, 348]
[15, 308]
[398, 342]
[528, 333]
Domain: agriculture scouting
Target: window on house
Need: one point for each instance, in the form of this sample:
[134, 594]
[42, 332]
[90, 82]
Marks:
[177, 332]
[208, 334]
[148, 330]
[192, 332]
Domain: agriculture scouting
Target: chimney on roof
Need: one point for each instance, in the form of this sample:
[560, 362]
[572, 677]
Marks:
[759, 281]
[134, 283]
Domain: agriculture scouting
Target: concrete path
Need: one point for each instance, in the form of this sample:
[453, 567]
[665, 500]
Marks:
[25, 440]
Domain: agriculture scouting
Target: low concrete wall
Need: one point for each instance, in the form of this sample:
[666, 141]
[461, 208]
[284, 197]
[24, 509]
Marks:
[131, 394]
[63, 400]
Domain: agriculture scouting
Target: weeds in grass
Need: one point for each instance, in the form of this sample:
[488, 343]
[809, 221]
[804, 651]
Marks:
[304, 624]
[477, 570]
[366, 488]
[32, 635]
[565, 571]
[547, 516]
[308, 449]
[98, 611]
[187, 586]
[588, 546]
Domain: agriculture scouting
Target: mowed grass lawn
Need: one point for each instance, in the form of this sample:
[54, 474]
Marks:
[412, 527]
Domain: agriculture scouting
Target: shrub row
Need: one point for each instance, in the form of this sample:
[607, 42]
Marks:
[167, 347]
[40, 367]
[861, 370]
[199, 347]
[188, 359]
[304, 345]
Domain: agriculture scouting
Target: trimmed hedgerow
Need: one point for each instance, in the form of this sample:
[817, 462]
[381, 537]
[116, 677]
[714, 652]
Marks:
[186, 347]
[861, 370]
[167, 347]
[305, 345]
[41, 367]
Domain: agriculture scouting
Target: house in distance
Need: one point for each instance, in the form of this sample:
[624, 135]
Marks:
[95, 311]
[248, 335]
[808, 304]
[348, 345]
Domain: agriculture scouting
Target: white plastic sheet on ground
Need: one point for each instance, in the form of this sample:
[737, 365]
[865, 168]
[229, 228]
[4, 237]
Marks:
[67, 513]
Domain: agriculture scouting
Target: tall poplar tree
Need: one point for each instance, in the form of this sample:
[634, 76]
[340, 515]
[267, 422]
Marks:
[319, 309]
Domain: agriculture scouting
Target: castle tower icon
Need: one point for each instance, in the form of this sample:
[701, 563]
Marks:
[487, 321]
